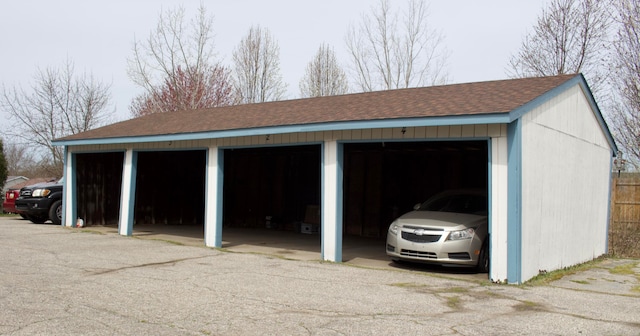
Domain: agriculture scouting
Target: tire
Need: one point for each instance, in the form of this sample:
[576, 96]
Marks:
[483, 258]
[55, 212]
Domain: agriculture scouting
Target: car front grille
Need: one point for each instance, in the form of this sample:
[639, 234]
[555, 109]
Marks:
[418, 254]
[412, 237]
[26, 192]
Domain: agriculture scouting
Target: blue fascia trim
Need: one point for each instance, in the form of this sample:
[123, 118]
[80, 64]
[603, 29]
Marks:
[577, 80]
[514, 202]
[489, 118]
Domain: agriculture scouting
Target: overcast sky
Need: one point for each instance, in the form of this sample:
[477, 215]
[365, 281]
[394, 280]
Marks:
[98, 35]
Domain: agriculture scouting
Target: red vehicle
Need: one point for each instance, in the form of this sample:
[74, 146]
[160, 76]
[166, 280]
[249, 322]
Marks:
[9, 203]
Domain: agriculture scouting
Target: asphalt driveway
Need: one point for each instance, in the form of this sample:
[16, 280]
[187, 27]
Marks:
[63, 281]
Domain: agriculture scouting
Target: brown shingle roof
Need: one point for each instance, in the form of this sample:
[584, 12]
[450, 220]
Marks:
[449, 100]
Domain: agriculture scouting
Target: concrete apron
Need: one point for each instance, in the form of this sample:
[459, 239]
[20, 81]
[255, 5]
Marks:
[357, 251]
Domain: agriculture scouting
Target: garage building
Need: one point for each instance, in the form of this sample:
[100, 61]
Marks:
[350, 164]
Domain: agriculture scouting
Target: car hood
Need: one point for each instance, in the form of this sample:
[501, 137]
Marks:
[440, 219]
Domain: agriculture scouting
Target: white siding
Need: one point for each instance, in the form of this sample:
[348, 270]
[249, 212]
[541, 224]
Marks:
[565, 185]
[499, 203]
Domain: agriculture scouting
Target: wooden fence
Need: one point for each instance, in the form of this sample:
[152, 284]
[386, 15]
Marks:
[624, 229]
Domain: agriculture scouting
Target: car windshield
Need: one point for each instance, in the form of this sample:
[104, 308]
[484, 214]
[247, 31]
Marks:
[458, 203]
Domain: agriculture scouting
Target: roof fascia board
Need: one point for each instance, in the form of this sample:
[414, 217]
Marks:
[489, 118]
[577, 80]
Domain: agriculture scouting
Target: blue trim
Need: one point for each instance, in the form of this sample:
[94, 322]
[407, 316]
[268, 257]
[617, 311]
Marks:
[489, 118]
[514, 202]
[131, 198]
[339, 200]
[68, 187]
[323, 229]
[490, 198]
[219, 193]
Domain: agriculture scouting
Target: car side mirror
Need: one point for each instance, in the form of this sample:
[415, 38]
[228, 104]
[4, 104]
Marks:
[417, 206]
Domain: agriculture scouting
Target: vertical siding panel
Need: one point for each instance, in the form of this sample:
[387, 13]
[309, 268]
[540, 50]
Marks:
[387, 133]
[356, 134]
[564, 219]
[493, 130]
[467, 131]
[481, 130]
[376, 133]
[420, 132]
[366, 134]
[410, 133]
[455, 131]
[443, 131]
[432, 132]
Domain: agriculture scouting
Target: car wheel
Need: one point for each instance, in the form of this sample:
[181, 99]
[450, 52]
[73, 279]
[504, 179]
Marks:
[55, 212]
[483, 258]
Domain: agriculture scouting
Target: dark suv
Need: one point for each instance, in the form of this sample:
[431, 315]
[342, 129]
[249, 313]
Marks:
[40, 202]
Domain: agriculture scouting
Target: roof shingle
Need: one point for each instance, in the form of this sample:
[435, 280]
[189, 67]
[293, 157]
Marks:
[478, 98]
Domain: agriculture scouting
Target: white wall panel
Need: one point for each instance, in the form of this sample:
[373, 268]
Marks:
[499, 208]
[565, 185]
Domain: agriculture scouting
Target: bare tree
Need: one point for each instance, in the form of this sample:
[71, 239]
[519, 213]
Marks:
[324, 76]
[391, 50]
[257, 68]
[19, 159]
[180, 58]
[626, 79]
[187, 91]
[58, 104]
[570, 36]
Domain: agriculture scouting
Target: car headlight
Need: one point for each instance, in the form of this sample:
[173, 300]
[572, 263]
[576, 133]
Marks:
[41, 193]
[461, 234]
[393, 228]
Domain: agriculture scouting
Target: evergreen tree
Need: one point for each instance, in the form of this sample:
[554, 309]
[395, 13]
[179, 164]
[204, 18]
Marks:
[3, 166]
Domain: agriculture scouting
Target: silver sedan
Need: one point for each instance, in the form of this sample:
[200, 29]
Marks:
[449, 229]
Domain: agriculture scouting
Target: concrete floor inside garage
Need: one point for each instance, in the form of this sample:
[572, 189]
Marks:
[356, 251]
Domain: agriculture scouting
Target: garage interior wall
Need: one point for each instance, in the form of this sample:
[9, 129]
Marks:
[383, 180]
[98, 186]
[563, 148]
[170, 187]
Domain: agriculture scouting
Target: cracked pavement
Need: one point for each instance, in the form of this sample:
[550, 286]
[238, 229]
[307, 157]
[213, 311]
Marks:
[61, 281]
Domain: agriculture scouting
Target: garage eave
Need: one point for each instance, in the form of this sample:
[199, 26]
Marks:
[455, 120]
